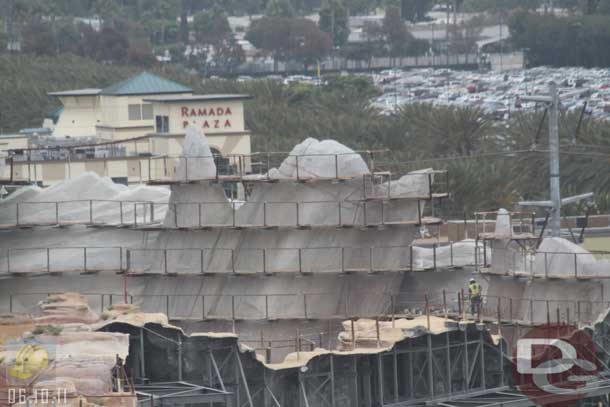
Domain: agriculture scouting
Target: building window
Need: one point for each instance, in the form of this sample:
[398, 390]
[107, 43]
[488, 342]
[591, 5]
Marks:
[140, 112]
[135, 112]
[162, 124]
[147, 112]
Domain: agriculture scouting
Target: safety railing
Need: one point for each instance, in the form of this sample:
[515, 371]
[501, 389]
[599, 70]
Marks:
[270, 167]
[215, 214]
[546, 264]
[371, 209]
[521, 224]
[145, 166]
[258, 166]
[331, 259]
[63, 259]
[82, 211]
[338, 306]
[293, 214]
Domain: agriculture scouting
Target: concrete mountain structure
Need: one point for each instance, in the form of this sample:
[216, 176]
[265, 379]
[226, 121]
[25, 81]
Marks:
[322, 288]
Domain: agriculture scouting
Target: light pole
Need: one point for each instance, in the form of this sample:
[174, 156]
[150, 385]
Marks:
[552, 102]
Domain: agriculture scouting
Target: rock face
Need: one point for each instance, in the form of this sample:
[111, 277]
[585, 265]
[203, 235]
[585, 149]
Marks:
[369, 333]
[62, 351]
[63, 309]
[86, 359]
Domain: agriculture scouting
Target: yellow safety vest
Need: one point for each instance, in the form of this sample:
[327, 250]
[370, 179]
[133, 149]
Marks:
[475, 289]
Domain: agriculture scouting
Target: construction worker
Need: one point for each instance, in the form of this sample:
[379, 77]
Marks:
[474, 289]
[117, 375]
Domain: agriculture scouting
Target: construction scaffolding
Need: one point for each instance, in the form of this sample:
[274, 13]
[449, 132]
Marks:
[311, 306]
[460, 359]
[368, 212]
[244, 260]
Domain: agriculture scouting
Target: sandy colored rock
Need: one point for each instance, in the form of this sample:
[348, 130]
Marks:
[61, 384]
[365, 331]
[64, 308]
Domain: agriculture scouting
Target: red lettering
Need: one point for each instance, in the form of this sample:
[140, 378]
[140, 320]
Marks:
[206, 125]
[185, 123]
[211, 112]
[227, 123]
[228, 111]
[216, 124]
[193, 112]
[220, 111]
[185, 111]
[202, 112]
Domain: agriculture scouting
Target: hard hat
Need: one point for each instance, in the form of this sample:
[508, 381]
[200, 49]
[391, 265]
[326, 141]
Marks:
[472, 280]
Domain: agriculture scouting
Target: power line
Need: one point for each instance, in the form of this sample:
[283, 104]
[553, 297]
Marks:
[472, 156]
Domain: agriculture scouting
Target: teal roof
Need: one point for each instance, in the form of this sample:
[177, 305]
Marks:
[145, 84]
[55, 113]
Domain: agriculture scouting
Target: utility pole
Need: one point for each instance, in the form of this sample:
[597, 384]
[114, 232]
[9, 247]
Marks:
[552, 102]
[554, 160]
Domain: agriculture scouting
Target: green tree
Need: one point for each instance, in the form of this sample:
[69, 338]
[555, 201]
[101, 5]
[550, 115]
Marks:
[373, 44]
[15, 13]
[360, 7]
[211, 27]
[308, 43]
[228, 55]
[396, 34]
[416, 10]
[112, 46]
[279, 8]
[272, 35]
[289, 38]
[335, 21]
[38, 39]
[495, 6]
[463, 36]
[252, 7]
[159, 16]
[562, 41]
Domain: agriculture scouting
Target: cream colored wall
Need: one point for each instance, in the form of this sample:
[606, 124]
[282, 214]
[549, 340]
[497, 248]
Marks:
[198, 114]
[115, 110]
[230, 144]
[79, 117]
[13, 143]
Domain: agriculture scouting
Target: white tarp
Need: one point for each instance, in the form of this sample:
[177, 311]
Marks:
[196, 161]
[322, 159]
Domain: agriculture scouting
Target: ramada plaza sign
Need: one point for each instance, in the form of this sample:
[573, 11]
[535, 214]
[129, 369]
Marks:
[213, 117]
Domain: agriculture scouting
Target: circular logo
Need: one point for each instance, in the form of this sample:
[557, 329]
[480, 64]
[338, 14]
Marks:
[29, 361]
[556, 365]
